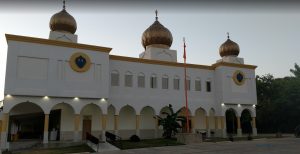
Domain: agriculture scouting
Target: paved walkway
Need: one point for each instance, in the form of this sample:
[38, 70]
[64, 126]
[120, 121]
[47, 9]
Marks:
[261, 146]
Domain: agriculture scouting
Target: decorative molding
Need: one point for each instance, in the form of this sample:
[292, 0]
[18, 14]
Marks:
[10, 37]
[175, 64]
[233, 65]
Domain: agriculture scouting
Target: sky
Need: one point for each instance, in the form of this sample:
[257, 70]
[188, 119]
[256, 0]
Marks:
[268, 32]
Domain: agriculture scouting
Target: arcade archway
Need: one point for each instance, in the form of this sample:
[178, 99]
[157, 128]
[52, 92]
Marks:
[231, 121]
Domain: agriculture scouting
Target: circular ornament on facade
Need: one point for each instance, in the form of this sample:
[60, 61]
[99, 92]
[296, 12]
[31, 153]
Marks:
[238, 77]
[80, 62]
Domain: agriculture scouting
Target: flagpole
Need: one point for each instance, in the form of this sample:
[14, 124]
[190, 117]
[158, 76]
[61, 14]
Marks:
[185, 90]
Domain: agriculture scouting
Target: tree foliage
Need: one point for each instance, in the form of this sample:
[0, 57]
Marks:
[296, 71]
[278, 108]
[170, 122]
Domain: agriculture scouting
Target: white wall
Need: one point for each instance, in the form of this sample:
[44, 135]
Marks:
[158, 98]
[228, 92]
[44, 70]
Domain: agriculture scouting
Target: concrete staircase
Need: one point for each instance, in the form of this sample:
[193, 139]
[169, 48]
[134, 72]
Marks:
[103, 146]
[21, 145]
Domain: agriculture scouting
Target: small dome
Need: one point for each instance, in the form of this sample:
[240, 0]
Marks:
[157, 35]
[63, 22]
[229, 48]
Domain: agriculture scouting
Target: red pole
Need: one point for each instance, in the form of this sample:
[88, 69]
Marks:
[185, 90]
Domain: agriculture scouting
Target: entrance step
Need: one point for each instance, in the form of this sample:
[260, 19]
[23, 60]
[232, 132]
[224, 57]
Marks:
[24, 144]
[103, 146]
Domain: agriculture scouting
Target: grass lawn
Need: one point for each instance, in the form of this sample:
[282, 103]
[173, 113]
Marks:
[218, 139]
[126, 144]
[71, 149]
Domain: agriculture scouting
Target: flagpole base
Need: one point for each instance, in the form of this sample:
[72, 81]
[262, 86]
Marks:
[189, 138]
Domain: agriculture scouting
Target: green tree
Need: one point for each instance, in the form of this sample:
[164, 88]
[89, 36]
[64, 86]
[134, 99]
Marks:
[268, 111]
[170, 123]
[296, 71]
[278, 102]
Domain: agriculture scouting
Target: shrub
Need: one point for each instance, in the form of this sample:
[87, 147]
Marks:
[135, 138]
[297, 131]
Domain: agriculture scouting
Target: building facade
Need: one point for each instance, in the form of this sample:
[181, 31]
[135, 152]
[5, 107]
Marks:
[58, 89]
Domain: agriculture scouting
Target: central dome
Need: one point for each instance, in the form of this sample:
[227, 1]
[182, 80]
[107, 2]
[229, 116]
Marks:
[63, 22]
[229, 48]
[157, 35]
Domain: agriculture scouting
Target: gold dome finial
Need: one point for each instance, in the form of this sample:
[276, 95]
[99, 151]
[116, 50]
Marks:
[63, 21]
[157, 35]
[64, 4]
[229, 48]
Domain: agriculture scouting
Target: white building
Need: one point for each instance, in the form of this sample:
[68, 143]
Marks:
[58, 86]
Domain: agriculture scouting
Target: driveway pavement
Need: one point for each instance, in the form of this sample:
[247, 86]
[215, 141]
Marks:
[260, 146]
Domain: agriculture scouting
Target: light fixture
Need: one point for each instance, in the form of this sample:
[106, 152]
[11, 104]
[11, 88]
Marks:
[103, 100]
[253, 105]
[239, 105]
[46, 97]
[8, 95]
[223, 104]
[76, 98]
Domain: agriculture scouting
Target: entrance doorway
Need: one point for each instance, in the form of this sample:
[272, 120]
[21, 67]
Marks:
[26, 122]
[86, 127]
[231, 122]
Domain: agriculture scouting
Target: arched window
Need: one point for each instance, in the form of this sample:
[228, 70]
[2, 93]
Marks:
[114, 78]
[188, 83]
[128, 79]
[153, 81]
[141, 80]
[165, 82]
[198, 84]
[208, 85]
[176, 83]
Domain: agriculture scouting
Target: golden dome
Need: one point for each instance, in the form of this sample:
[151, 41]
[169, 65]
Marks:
[63, 22]
[157, 35]
[229, 48]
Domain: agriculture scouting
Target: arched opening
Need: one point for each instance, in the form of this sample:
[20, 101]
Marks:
[183, 114]
[111, 111]
[147, 122]
[211, 119]
[26, 121]
[61, 122]
[164, 110]
[91, 122]
[200, 120]
[231, 122]
[127, 122]
[246, 122]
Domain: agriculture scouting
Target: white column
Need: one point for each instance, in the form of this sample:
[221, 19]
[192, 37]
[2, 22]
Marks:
[239, 129]
[156, 128]
[76, 127]
[137, 125]
[192, 124]
[4, 144]
[207, 125]
[116, 124]
[223, 126]
[46, 126]
[254, 129]
[104, 117]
